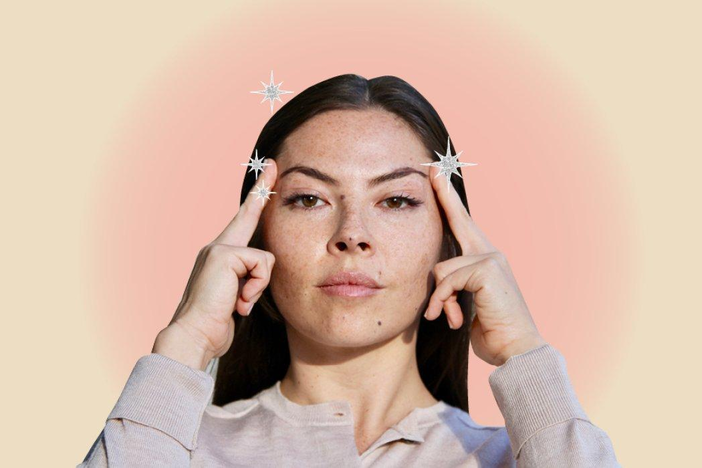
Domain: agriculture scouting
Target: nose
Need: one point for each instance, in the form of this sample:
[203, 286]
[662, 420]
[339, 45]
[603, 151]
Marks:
[351, 235]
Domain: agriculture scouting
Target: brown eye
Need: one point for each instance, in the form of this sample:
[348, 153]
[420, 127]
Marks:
[401, 203]
[304, 201]
[309, 201]
[394, 202]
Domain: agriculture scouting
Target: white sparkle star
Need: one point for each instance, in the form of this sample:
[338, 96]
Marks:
[256, 164]
[263, 192]
[448, 164]
[271, 91]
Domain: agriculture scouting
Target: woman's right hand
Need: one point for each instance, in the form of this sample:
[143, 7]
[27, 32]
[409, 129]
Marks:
[203, 325]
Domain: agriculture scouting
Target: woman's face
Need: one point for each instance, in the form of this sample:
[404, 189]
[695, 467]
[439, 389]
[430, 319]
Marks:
[351, 225]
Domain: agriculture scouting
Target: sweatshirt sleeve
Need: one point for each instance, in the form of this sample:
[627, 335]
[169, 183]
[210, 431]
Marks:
[156, 419]
[546, 424]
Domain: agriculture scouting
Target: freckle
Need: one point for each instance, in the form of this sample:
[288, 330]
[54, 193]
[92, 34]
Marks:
[343, 196]
[379, 323]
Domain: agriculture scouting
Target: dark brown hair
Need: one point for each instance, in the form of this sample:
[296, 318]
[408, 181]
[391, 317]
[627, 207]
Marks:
[259, 355]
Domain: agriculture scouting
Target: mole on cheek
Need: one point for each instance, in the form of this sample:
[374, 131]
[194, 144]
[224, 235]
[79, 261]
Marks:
[379, 323]
[343, 196]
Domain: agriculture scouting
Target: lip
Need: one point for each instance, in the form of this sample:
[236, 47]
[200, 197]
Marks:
[350, 284]
[349, 290]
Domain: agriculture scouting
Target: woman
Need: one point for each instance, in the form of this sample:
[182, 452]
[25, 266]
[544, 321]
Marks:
[334, 361]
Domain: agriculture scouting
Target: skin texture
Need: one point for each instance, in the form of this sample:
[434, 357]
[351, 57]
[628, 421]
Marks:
[361, 350]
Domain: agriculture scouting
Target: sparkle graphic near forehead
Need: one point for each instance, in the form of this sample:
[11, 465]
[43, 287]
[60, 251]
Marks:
[263, 192]
[448, 164]
[271, 91]
[256, 164]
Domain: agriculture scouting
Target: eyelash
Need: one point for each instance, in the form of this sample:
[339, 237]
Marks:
[290, 200]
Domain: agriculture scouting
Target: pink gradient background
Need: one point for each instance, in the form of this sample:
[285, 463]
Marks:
[546, 188]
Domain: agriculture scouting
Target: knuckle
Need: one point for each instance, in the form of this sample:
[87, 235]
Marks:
[224, 253]
[259, 252]
[492, 262]
[218, 250]
[264, 254]
[501, 259]
[438, 271]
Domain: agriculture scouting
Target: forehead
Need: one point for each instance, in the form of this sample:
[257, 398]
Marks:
[350, 142]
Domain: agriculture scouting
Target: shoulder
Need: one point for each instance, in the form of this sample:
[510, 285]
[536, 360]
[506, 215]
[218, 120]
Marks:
[239, 430]
[233, 410]
[245, 418]
[244, 410]
[453, 436]
[452, 415]
[455, 423]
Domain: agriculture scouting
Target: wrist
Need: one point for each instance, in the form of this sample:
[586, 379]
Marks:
[521, 346]
[173, 342]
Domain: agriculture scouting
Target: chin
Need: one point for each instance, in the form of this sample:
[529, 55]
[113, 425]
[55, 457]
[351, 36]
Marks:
[351, 328]
[346, 322]
[340, 338]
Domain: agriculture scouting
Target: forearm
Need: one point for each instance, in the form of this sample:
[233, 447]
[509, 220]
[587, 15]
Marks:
[546, 424]
[125, 443]
[157, 417]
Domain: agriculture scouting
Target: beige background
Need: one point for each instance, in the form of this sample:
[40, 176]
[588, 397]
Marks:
[639, 64]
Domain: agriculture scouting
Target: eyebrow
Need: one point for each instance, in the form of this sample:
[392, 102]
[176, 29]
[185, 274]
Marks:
[319, 175]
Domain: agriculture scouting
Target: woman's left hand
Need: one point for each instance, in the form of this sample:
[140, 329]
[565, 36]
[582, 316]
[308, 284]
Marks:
[502, 326]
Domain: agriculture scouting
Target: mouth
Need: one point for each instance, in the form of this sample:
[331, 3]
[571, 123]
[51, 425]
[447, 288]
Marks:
[350, 283]
[349, 290]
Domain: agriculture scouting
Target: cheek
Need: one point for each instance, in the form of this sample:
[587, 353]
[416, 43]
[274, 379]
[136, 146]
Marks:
[288, 236]
[414, 248]
[411, 237]
[293, 247]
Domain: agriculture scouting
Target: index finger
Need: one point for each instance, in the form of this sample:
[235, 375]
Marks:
[241, 228]
[470, 237]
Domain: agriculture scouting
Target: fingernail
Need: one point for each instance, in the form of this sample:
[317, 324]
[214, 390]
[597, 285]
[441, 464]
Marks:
[250, 307]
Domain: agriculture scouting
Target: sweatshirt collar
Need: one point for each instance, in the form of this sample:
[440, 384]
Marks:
[338, 413]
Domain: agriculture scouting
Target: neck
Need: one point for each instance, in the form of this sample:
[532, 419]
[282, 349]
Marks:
[381, 381]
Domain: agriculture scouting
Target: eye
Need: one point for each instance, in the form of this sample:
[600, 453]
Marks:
[309, 202]
[398, 200]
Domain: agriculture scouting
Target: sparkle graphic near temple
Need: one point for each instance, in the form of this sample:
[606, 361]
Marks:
[271, 91]
[256, 164]
[448, 164]
[263, 192]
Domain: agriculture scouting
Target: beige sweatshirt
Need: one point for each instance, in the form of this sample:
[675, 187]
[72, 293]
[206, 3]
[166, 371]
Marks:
[164, 417]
